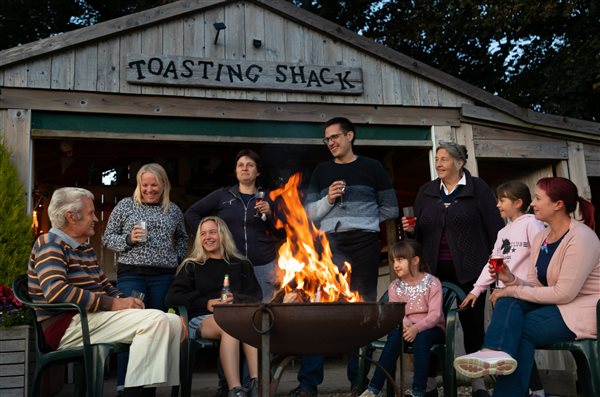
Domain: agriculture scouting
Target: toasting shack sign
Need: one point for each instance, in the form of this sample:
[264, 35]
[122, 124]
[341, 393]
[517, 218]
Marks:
[250, 75]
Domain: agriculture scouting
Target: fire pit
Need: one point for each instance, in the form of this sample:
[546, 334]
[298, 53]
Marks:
[304, 329]
[310, 328]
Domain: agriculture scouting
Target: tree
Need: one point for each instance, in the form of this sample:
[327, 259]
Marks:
[16, 237]
[544, 55]
[24, 21]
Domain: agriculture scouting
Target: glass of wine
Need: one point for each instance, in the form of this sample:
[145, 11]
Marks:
[259, 197]
[497, 262]
[341, 203]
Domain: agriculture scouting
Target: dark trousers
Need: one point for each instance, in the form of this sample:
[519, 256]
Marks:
[361, 249]
[422, 355]
[517, 327]
[471, 319]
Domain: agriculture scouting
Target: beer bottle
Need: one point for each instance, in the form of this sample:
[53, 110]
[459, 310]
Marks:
[225, 289]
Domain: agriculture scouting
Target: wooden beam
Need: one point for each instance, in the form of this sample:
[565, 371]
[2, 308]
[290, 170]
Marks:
[520, 149]
[90, 102]
[17, 138]
[579, 129]
[44, 133]
[577, 172]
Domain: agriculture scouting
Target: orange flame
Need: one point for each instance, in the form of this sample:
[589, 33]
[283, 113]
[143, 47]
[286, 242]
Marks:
[305, 257]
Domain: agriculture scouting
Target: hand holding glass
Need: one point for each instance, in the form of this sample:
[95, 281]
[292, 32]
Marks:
[409, 214]
[138, 295]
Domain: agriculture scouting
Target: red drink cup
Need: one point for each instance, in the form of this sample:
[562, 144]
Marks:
[411, 221]
[497, 263]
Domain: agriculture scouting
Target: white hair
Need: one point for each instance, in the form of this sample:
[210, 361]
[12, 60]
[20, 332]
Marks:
[66, 199]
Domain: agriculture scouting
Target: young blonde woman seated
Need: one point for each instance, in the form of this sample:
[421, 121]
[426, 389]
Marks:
[198, 286]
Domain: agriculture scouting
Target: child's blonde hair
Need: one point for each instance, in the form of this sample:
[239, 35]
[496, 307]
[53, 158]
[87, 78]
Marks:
[408, 249]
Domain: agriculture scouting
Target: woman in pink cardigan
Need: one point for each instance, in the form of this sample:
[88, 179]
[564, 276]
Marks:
[556, 303]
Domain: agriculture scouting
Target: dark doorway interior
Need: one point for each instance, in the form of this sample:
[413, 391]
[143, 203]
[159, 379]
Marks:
[196, 168]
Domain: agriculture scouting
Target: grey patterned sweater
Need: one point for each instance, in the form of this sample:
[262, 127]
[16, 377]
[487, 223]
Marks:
[369, 198]
[167, 239]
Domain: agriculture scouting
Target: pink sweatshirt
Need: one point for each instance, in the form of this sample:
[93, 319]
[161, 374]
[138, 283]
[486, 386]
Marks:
[573, 279]
[423, 301]
[514, 242]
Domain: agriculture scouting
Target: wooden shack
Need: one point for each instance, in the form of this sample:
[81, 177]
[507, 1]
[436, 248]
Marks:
[190, 83]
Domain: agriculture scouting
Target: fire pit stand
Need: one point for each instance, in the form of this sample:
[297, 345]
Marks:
[297, 329]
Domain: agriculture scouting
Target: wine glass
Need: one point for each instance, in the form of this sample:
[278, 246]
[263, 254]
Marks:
[341, 203]
[497, 262]
[259, 197]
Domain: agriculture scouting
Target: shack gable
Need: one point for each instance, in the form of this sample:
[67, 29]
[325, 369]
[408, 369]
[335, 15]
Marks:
[101, 64]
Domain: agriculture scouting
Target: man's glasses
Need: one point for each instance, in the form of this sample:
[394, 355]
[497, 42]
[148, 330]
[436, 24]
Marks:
[333, 138]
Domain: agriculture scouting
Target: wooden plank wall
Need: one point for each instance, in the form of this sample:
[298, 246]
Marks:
[592, 159]
[100, 65]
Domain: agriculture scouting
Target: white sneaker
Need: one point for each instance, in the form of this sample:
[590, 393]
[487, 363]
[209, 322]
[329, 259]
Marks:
[481, 363]
[369, 393]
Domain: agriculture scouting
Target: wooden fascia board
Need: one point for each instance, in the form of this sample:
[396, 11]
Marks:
[492, 117]
[104, 30]
[173, 106]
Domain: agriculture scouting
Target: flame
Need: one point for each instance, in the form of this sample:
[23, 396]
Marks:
[305, 257]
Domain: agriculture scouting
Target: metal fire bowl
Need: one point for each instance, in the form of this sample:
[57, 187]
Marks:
[310, 328]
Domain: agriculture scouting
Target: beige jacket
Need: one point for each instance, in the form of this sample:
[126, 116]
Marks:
[573, 279]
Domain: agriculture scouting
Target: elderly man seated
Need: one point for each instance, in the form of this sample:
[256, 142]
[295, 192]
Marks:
[64, 268]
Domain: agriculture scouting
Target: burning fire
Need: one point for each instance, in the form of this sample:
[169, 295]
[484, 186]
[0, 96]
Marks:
[305, 257]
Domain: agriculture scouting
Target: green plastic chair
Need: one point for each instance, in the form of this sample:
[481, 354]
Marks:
[453, 295]
[586, 353]
[189, 351]
[92, 357]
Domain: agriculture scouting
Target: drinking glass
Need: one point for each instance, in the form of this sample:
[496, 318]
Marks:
[497, 262]
[142, 225]
[341, 203]
[137, 294]
[259, 197]
[409, 213]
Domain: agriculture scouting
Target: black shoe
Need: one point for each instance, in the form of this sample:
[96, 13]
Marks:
[302, 392]
[480, 393]
[252, 388]
[237, 392]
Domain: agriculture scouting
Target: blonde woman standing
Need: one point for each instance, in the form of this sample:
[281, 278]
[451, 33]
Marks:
[147, 257]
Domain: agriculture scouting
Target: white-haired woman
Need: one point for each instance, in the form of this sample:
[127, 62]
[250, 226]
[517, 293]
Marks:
[457, 224]
[147, 259]
[198, 286]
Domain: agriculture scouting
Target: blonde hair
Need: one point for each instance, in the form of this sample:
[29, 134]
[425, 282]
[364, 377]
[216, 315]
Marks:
[163, 181]
[228, 248]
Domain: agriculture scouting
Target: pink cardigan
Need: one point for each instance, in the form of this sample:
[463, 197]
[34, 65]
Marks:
[573, 279]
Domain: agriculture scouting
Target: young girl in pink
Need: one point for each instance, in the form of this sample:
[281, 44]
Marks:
[514, 240]
[514, 245]
[423, 323]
